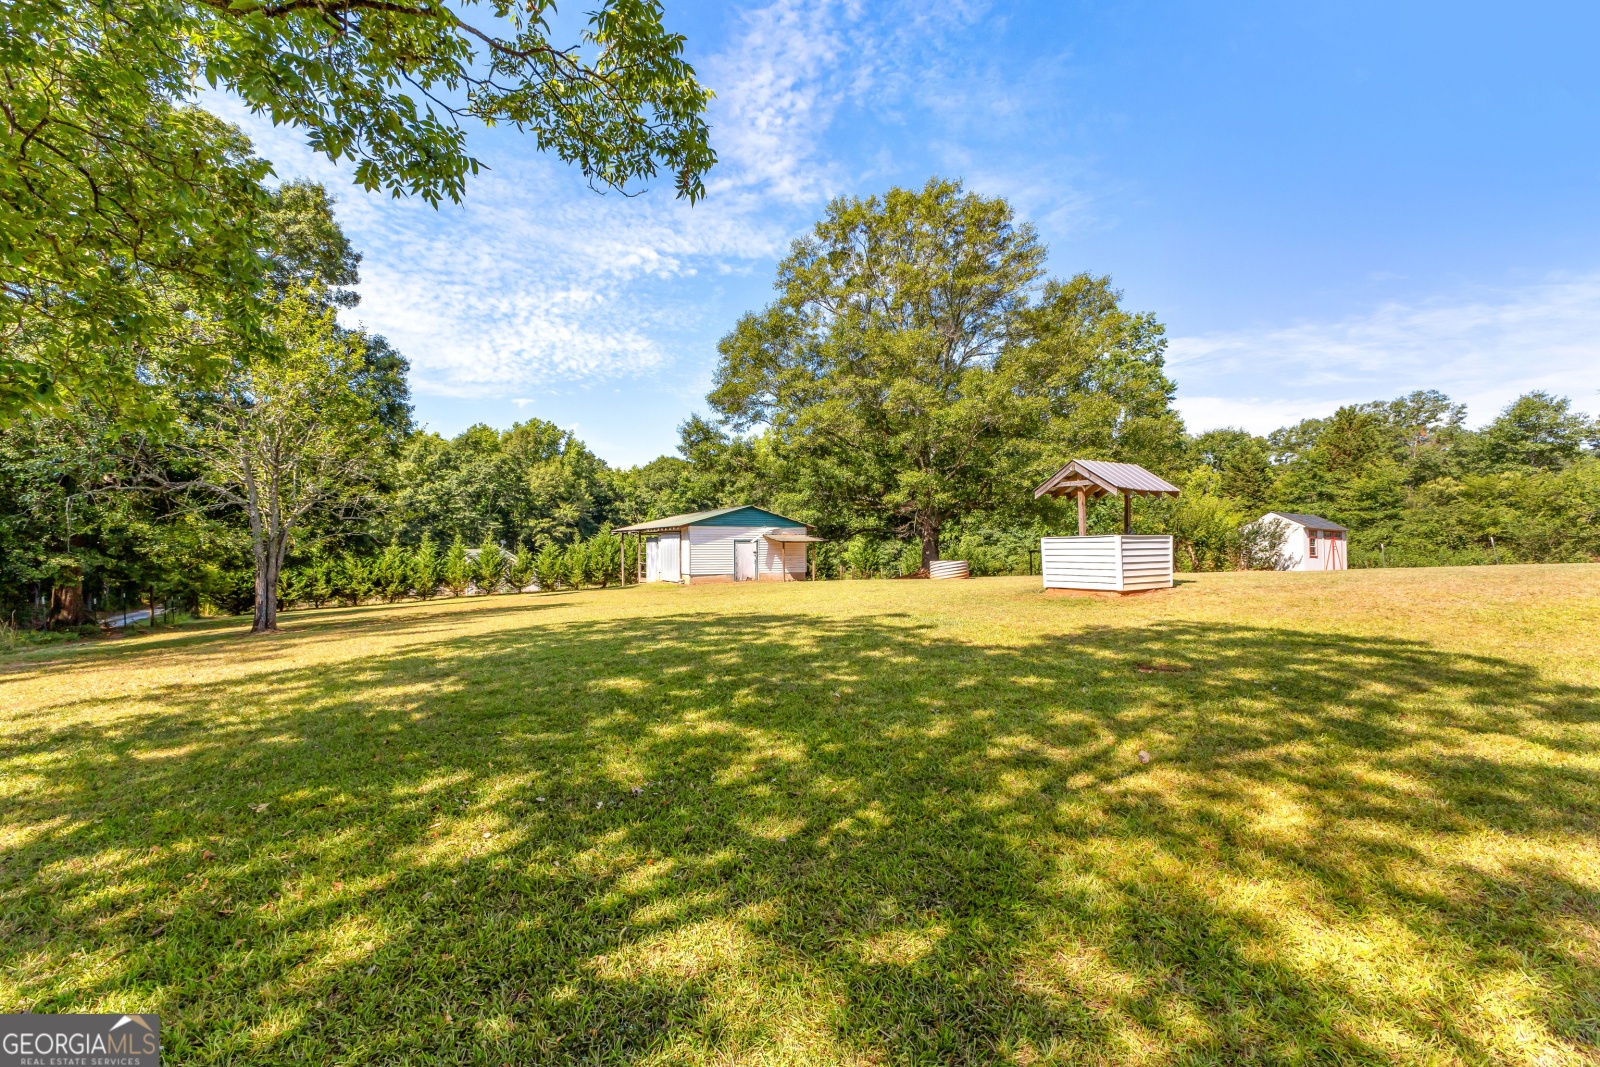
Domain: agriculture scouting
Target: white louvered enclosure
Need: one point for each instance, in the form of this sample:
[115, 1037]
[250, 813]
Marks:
[1116, 563]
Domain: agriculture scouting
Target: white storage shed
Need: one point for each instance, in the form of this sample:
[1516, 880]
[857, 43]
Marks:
[1113, 563]
[722, 545]
[1311, 543]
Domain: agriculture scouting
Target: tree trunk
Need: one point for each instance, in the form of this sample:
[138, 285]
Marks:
[269, 561]
[67, 607]
[929, 529]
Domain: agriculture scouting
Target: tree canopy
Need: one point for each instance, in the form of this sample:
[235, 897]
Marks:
[916, 376]
[915, 366]
[131, 221]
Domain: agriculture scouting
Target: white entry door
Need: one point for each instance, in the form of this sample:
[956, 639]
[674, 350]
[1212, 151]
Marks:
[652, 559]
[669, 558]
[744, 561]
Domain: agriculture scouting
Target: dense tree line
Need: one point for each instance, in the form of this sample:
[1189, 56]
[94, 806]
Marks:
[170, 360]
[915, 378]
[1413, 484]
[1416, 487]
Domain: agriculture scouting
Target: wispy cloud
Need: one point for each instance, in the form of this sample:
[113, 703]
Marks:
[778, 88]
[1484, 347]
[538, 283]
[528, 286]
[534, 281]
[796, 66]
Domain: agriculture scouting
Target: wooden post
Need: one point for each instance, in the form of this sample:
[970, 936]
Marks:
[1127, 513]
[622, 560]
[1083, 513]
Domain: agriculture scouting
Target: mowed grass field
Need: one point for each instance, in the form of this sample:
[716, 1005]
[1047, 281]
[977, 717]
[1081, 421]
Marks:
[831, 823]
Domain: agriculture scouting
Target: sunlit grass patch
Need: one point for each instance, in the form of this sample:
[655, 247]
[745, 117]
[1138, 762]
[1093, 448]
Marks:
[1264, 818]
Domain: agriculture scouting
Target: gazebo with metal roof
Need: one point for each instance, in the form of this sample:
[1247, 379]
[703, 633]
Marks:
[1088, 479]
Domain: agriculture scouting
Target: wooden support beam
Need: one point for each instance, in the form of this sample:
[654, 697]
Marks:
[1083, 513]
[1127, 513]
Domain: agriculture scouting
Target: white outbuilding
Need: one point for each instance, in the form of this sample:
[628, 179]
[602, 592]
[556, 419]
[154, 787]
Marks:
[722, 545]
[1311, 543]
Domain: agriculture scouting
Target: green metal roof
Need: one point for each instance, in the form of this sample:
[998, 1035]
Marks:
[707, 518]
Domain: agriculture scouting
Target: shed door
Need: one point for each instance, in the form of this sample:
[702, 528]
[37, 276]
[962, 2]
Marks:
[744, 561]
[669, 558]
[652, 559]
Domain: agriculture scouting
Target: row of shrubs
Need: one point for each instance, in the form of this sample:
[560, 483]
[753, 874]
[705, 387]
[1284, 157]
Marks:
[401, 571]
[398, 571]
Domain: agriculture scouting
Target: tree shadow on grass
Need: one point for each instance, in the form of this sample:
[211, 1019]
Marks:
[808, 839]
[220, 637]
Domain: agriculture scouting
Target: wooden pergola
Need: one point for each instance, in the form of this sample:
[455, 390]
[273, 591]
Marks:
[1088, 479]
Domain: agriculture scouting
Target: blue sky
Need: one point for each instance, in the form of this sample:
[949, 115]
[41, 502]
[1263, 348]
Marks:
[1325, 203]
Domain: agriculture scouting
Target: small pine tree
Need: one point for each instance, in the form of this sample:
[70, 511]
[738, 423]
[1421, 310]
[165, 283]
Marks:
[353, 580]
[490, 569]
[861, 555]
[391, 572]
[324, 575]
[362, 577]
[292, 583]
[457, 570]
[825, 561]
[548, 567]
[575, 565]
[338, 580]
[633, 550]
[522, 567]
[427, 568]
[605, 556]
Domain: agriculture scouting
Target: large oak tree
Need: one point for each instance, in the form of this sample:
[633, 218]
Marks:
[917, 367]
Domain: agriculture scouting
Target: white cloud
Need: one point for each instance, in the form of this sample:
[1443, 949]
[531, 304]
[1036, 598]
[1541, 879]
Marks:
[537, 283]
[1484, 347]
[778, 87]
[1259, 415]
[534, 280]
[528, 284]
[796, 64]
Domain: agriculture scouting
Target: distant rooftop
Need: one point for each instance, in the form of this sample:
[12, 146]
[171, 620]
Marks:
[1310, 522]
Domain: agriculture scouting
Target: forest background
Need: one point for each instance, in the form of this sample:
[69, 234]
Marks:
[185, 420]
[905, 419]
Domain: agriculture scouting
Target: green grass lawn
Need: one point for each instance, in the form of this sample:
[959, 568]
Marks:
[854, 822]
